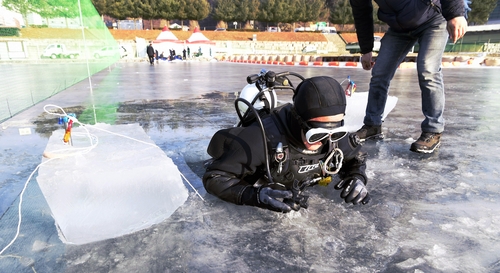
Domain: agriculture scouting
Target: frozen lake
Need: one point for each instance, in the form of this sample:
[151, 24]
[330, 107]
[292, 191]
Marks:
[428, 213]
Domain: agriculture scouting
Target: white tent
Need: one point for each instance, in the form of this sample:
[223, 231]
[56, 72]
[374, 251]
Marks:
[199, 43]
[167, 41]
[166, 35]
[198, 37]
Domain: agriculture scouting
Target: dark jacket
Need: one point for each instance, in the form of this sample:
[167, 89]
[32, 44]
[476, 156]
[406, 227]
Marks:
[400, 15]
[239, 160]
[150, 51]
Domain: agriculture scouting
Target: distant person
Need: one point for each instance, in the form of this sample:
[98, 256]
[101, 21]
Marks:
[162, 56]
[151, 53]
[157, 57]
[189, 52]
[429, 23]
[124, 52]
[184, 54]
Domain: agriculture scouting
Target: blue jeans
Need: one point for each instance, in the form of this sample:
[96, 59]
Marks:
[432, 37]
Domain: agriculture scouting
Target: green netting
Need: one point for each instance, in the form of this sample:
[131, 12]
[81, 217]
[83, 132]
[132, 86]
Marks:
[43, 63]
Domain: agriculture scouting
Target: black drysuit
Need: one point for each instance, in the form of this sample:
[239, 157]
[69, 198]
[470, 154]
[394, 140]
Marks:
[239, 161]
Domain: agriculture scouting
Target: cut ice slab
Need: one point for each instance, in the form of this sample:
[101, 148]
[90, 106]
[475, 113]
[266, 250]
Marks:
[356, 106]
[123, 185]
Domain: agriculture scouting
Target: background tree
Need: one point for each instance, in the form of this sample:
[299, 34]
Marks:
[136, 9]
[197, 10]
[315, 10]
[60, 8]
[275, 11]
[252, 9]
[331, 3]
[156, 9]
[181, 13]
[239, 11]
[299, 12]
[246, 10]
[101, 6]
[224, 10]
[480, 11]
[118, 9]
[307, 11]
[341, 13]
[47, 9]
[290, 15]
[150, 11]
[167, 9]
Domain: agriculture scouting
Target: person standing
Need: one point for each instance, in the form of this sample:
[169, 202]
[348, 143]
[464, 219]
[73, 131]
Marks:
[428, 22]
[151, 53]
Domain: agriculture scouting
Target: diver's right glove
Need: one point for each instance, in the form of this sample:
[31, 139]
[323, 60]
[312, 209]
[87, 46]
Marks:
[270, 199]
[354, 190]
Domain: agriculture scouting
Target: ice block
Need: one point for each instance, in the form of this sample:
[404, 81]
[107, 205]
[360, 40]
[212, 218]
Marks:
[123, 185]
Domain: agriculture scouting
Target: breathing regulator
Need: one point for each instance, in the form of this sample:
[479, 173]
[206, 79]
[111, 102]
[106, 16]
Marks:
[259, 96]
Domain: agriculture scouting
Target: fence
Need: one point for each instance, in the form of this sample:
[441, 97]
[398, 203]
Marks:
[33, 71]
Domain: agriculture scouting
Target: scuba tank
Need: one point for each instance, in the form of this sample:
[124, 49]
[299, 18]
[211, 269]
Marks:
[258, 98]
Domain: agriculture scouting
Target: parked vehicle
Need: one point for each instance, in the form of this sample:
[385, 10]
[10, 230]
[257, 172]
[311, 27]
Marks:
[309, 49]
[110, 51]
[300, 29]
[354, 47]
[323, 29]
[273, 29]
[328, 30]
[59, 51]
[176, 26]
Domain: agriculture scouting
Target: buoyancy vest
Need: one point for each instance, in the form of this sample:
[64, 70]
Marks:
[288, 162]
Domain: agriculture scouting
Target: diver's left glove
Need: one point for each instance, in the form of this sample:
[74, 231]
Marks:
[353, 190]
[272, 199]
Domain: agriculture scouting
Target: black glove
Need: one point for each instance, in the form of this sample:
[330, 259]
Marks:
[354, 191]
[299, 199]
[268, 198]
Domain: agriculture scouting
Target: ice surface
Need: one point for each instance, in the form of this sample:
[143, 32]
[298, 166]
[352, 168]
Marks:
[16, 151]
[119, 187]
[429, 213]
[355, 109]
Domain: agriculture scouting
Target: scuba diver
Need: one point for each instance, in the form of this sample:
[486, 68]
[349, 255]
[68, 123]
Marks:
[305, 145]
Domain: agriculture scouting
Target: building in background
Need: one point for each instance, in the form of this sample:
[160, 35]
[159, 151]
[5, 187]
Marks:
[9, 18]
